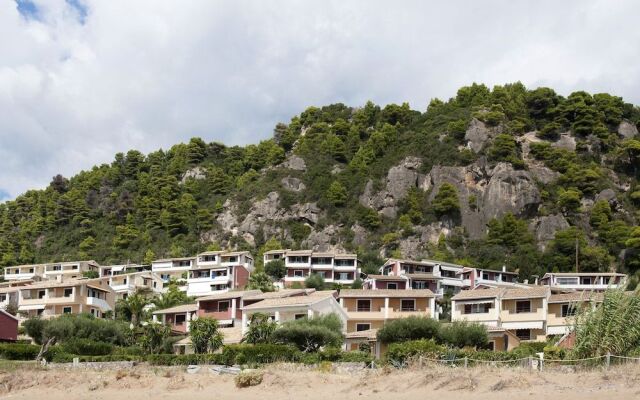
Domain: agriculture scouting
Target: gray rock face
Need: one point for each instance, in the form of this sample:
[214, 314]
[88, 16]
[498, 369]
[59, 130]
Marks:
[566, 142]
[545, 228]
[478, 134]
[196, 173]
[359, 235]
[293, 184]
[295, 163]
[627, 130]
[324, 240]
[496, 191]
[542, 173]
[400, 179]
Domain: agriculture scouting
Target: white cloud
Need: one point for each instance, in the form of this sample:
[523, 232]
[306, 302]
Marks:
[148, 74]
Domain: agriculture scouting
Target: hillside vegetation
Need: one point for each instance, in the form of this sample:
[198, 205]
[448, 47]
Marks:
[491, 177]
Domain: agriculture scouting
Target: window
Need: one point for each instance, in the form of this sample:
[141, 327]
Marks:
[298, 259]
[344, 263]
[523, 306]
[208, 258]
[300, 316]
[31, 270]
[321, 260]
[180, 319]
[68, 292]
[491, 346]
[419, 285]
[523, 334]
[124, 281]
[606, 280]
[364, 305]
[344, 276]
[321, 273]
[223, 306]
[481, 308]
[485, 276]
[231, 259]
[566, 281]
[392, 285]
[41, 294]
[586, 281]
[74, 267]
[57, 268]
[298, 273]
[362, 327]
[408, 305]
[568, 310]
[66, 310]
[447, 274]
[3, 297]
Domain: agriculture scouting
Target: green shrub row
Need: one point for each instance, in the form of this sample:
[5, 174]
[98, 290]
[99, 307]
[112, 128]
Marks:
[18, 351]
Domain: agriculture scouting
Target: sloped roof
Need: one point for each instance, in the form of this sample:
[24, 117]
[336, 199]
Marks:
[576, 296]
[522, 293]
[178, 309]
[386, 293]
[477, 294]
[422, 276]
[370, 334]
[291, 301]
[230, 295]
[278, 294]
[386, 277]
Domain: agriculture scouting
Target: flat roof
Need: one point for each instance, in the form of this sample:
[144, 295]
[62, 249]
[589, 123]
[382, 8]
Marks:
[229, 295]
[178, 309]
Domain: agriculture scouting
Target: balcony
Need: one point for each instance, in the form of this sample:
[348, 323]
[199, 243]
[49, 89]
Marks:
[122, 287]
[100, 303]
[48, 301]
[21, 276]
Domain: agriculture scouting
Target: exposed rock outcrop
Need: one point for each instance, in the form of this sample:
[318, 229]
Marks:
[295, 163]
[400, 179]
[627, 130]
[292, 184]
[566, 141]
[324, 240]
[478, 134]
[545, 228]
[196, 173]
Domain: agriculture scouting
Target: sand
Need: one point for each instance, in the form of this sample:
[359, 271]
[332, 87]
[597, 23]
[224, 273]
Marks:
[294, 382]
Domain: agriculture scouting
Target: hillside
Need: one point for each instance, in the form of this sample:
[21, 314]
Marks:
[507, 176]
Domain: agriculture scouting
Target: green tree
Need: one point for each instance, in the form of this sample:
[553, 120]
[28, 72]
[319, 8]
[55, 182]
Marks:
[314, 281]
[205, 336]
[132, 308]
[310, 335]
[260, 281]
[275, 269]
[570, 199]
[260, 329]
[337, 194]
[410, 328]
[153, 337]
[446, 201]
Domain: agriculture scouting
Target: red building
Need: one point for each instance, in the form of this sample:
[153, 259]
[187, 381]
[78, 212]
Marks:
[8, 327]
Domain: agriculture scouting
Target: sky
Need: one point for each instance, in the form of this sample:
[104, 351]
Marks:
[81, 80]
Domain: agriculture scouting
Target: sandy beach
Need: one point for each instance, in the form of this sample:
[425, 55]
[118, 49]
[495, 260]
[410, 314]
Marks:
[293, 382]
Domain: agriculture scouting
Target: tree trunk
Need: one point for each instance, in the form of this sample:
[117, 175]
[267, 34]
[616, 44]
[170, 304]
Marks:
[45, 348]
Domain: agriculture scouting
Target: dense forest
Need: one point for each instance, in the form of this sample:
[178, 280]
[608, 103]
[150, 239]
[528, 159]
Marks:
[491, 177]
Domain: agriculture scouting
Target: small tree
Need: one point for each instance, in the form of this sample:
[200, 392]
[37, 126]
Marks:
[357, 284]
[205, 336]
[411, 328]
[153, 337]
[314, 281]
[464, 334]
[337, 194]
[260, 281]
[446, 201]
[276, 269]
[132, 308]
[260, 329]
[310, 335]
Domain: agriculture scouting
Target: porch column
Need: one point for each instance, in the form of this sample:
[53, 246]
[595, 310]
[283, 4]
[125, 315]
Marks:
[277, 317]
[341, 302]
[155, 318]
[188, 320]
[309, 313]
[233, 310]
[386, 307]
[432, 306]
[244, 322]
[164, 318]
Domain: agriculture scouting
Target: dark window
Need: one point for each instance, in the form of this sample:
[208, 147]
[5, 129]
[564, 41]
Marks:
[482, 308]
[223, 306]
[392, 285]
[568, 310]
[408, 305]
[523, 306]
[523, 334]
[41, 294]
[180, 319]
[300, 316]
[66, 310]
[364, 305]
[363, 327]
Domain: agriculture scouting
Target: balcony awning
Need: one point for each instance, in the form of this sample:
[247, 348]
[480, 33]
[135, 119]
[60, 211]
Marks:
[31, 307]
[523, 325]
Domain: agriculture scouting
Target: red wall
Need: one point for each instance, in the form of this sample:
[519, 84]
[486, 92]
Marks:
[241, 277]
[8, 328]
[383, 284]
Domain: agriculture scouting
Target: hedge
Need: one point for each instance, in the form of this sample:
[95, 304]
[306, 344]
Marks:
[87, 347]
[18, 351]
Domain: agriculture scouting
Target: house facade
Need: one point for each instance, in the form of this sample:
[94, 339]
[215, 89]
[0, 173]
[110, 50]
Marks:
[174, 269]
[8, 327]
[178, 318]
[563, 308]
[590, 281]
[225, 307]
[300, 264]
[372, 308]
[49, 299]
[218, 272]
[69, 270]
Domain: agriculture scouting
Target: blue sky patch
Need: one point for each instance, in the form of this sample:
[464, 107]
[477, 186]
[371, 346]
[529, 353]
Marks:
[28, 10]
[80, 8]
[4, 195]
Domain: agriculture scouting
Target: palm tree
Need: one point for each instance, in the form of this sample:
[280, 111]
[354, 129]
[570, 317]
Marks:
[133, 307]
[171, 298]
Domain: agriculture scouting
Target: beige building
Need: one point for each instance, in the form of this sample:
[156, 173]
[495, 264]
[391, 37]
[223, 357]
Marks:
[563, 308]
[69, 270]
[74, 296]
[521, 311]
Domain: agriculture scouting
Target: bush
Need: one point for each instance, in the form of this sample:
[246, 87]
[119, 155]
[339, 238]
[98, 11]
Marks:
[401, 352]
[464, 334]
[184, 359]
[72, 326]
[248, 378]
[309, 335]
[259, 354]
[411, 328]
[87, 347]
[10, 351]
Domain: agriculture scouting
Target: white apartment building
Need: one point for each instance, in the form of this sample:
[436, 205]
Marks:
[592, 281]
[218, 272]
[174, 268]
[300, 264]
[69, 270]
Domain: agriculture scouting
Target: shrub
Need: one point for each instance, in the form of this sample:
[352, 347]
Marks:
[275, 269]
[248, 378]
[258, 354]
[205, 336]
[411, 328]
[464, 334]
[87, 347]
[10, 351]
[310, 335]
[446, 201]
[401, 352]
[260, 329]
[314, 281]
